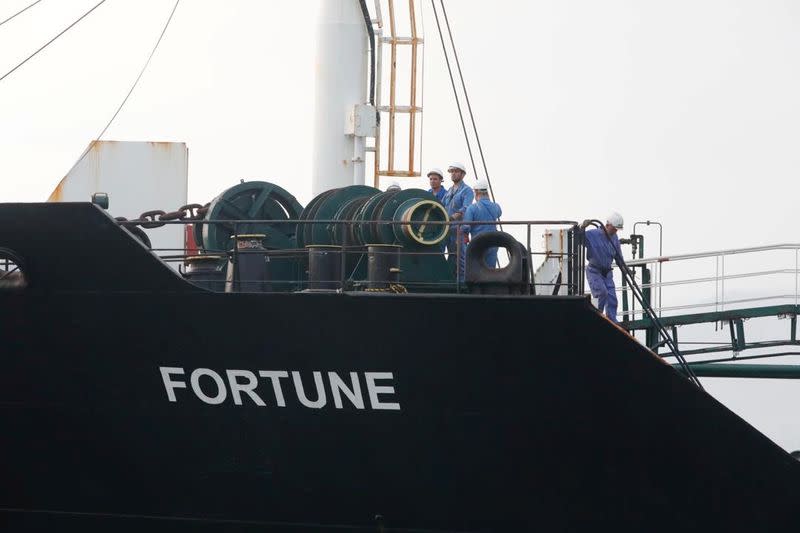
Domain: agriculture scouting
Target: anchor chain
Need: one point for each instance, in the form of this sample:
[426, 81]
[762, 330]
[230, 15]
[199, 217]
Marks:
[156, 218]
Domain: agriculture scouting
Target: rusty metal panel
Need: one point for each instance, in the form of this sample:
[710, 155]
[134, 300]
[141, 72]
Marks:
[138, 177]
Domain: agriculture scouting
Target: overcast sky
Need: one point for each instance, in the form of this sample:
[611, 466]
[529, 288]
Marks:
[683, 111]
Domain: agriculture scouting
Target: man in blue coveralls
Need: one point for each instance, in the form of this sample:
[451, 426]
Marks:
[456, 201]
[435, 177]
[483, 210]
[601, 252]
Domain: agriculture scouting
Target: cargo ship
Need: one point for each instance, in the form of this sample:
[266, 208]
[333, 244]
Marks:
[253, 364]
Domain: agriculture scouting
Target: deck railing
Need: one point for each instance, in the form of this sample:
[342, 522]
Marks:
[718, 280]
[353, 254]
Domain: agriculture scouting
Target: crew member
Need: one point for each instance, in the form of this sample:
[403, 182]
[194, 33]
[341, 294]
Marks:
[395, 186]
[602, 249]
[435, 177]
[456, 200]
[483, 210]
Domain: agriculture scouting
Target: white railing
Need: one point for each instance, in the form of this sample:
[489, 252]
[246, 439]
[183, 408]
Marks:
[720, 280]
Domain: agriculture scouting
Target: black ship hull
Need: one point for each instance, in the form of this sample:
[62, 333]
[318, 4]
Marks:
[446, 413]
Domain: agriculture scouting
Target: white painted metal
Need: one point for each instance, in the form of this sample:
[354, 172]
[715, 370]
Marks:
[362, 121]
[555, 263]
[341, 84]
[359, 160]
[377, 28]
[138, 177]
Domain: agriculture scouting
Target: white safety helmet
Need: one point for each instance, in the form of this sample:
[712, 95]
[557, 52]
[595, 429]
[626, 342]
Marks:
[615, 219]
[395, 186]
[459, 166]
[481, 185]
[437, 171]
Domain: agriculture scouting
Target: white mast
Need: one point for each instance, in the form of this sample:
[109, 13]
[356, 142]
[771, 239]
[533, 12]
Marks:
[341, 121]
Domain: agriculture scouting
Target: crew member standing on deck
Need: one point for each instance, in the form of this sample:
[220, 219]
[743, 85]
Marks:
[435, 177]
[486, 211]
[603, 249]
[456, 201]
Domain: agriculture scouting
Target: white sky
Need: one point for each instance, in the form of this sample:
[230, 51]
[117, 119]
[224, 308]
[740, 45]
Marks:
[684, 112]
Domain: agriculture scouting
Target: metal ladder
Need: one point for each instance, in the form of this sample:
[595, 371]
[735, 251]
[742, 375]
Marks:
[410, 103]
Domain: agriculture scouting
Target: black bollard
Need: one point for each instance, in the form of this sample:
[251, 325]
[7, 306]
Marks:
[324, 267]
[207, 271]
[248, 269]
[383, 265]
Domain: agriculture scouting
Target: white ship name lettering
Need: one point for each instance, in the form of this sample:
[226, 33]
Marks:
[275, 387]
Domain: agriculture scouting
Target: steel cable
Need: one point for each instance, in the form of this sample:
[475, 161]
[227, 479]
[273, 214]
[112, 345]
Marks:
[45, 45]
[458, 102]
[20, 12]
[135, 82]
[455, 91]
[466, 99]
[141, 72]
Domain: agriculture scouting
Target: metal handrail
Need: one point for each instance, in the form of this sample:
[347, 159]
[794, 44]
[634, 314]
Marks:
[710, 279]
[717, 299]
[700, 255]
[574, 254]
[637, 312]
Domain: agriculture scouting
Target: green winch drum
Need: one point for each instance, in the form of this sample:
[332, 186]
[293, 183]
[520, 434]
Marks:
[366, 227]
[331, 206]
[346, 234]
[346, 221]
[304, 230]
[250, 200]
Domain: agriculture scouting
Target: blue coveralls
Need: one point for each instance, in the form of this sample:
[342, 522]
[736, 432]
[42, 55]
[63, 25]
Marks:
[484, 210]
[600, 254]
[439, 195]
[455, 201]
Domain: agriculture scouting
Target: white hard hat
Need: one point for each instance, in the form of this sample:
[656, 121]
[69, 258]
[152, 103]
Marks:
[457, 165]
[481, 185]
[395, 186]
[435, 171]
[615, 219]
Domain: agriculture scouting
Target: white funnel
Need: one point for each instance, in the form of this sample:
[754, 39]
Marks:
[342, 54]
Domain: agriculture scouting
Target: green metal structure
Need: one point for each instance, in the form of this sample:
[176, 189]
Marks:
[349, 219]
[740, 345]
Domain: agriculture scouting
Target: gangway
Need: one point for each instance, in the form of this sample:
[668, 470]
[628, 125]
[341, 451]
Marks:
[723, 290]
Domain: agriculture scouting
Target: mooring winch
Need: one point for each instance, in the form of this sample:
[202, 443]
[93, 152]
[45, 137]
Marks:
[355, 223]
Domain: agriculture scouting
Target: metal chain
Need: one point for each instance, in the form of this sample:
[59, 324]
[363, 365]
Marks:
[394, 287]
[156, 218]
